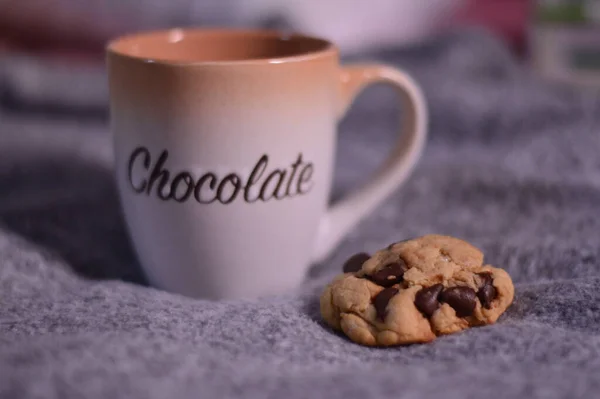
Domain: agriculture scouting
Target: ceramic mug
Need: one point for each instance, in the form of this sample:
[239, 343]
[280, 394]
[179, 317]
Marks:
[224, 151]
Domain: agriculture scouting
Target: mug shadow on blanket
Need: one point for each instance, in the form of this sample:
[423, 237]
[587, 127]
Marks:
[71, 208]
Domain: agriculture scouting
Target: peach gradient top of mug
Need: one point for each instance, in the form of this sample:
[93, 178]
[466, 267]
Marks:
[224, 151]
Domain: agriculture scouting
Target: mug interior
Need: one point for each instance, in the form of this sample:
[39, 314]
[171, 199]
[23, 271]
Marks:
[198, 45]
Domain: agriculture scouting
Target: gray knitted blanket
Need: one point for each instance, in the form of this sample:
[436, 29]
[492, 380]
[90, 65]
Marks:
[512, 165]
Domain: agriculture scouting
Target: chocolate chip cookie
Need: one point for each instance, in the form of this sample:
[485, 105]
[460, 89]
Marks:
[415, 290]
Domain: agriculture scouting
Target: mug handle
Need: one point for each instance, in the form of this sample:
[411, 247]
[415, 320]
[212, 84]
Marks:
[347, 212]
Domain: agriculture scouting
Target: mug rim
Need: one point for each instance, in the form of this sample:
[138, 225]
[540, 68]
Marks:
[327, 48]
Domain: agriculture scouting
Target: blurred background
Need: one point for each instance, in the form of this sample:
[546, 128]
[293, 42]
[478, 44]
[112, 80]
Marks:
[44, 43]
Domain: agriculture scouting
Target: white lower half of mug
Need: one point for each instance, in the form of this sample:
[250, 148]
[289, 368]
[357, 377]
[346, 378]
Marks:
[240, 229]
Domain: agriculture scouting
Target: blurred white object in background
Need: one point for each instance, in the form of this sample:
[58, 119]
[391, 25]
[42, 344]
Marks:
[357, 25]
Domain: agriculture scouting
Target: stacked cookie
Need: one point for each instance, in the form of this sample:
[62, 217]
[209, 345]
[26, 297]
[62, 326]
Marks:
[415, 290]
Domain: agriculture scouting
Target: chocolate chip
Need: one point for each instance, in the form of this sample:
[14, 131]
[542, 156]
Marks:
[389, 275]
[426, 299]
[381, 301]
[487, 292]
[354, 263]
[486, 295]
[486, 278]
[462, 300]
